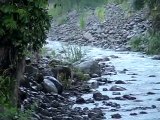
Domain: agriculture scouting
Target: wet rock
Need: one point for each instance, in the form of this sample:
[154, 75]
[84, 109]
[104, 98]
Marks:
[116, 116]
[128, 97]
[143, 112]
[118, 98]
[94, 75]
[105, 97]
[112, 104]
[123, 71]
[105, 89]
[151, 93]
[132, 74]
[90, 67]
[114, 56]
[153, 106]
[55, 104]
[158, 99]
[114, 110]
[52, 85]
[133, 114]
[80, 100]
[152, 76]
[120, 82]
[156, 57]
[117, 88]
[98, 96]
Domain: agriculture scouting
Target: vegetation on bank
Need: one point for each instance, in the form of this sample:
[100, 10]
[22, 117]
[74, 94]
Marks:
[148, 43]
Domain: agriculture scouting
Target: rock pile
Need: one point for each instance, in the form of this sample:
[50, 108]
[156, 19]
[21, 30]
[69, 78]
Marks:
[114, 33]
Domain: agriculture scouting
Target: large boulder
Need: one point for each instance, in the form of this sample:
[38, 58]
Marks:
[89, 67]
[51, 84]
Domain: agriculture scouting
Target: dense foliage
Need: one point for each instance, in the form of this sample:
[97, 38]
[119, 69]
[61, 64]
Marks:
[23, 24]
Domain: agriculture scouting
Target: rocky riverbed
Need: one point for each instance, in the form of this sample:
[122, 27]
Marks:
[127, 89]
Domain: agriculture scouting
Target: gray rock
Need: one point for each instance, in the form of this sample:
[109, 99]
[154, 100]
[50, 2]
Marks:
[143, 112]
[120, 82]
[80, 100]
[51, 84]
[133, 114]
[98, 96]
[105, 89]
[90, 67]
[128, 97]
[117, 88]
[156, 57]
[116, 116]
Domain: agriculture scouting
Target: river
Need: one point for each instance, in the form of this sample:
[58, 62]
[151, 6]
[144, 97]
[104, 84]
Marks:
[143, 76]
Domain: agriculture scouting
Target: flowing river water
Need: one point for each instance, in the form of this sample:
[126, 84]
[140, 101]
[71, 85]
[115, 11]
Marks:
[138, 82]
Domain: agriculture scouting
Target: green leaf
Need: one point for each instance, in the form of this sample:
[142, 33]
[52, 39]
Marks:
[7, 8]
[9, 23]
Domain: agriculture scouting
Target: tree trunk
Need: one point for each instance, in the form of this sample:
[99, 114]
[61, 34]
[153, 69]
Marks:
[19, 76]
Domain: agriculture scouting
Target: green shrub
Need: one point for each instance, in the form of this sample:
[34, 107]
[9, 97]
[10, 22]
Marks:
[154, 44]
[13, 113]
[6, 88]
[149, 43]
[100, 13]
[82, 21]
[137, 42]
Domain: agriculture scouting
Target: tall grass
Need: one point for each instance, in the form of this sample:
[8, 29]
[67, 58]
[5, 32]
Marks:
[82, 21]
[73, 53]
[101, 13]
